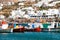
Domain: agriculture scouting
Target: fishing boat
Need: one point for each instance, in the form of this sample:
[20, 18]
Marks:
[33, 28]
[18, 28]
[50, 27]
[6, 30]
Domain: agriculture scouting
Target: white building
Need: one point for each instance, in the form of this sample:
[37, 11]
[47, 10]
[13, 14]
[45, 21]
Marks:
[26, 0]
[53, 11]
[2, 16]
[46, 3]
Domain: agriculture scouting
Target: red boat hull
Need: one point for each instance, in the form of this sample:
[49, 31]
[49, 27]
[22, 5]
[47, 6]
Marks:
[27, 30]
[37, 29]
[18, 30]
[33, 30]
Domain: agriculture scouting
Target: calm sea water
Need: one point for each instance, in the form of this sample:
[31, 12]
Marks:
[30, 36]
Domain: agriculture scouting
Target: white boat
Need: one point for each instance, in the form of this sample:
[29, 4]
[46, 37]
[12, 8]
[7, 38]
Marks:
[6, 30]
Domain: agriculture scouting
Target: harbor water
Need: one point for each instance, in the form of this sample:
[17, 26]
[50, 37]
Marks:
[30, 36]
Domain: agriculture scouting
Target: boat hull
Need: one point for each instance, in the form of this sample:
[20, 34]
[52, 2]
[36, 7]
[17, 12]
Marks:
[5, 31]
[18, 30]
[50, 29]
[33, 30]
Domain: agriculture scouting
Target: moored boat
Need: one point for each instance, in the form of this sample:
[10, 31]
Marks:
[33, 30]
[37, 29]
[6, 30]
[33, 27]
[18, 29]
